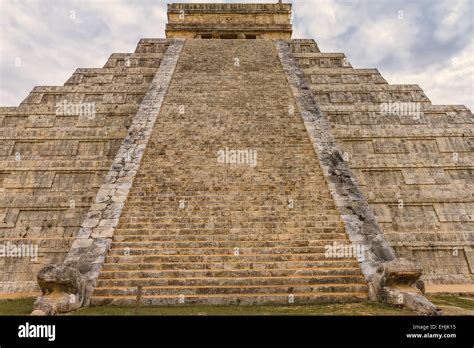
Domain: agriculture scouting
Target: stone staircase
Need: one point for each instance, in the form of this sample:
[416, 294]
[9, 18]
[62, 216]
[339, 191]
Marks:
[196, 230]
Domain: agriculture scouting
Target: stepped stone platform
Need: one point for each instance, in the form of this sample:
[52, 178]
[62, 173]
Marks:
[217, 246]
[52, 164]
[415, 169]
[221, 164]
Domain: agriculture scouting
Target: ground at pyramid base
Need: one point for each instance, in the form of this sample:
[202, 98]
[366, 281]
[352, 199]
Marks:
[449, 303]
[230, 164]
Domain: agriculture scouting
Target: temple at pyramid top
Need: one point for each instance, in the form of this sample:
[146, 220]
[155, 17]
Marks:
[229, 21]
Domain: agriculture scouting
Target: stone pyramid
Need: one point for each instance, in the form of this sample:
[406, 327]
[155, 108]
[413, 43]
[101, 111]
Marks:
[231, 164]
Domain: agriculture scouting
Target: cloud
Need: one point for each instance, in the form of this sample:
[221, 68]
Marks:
[449, 82]
[413, 42]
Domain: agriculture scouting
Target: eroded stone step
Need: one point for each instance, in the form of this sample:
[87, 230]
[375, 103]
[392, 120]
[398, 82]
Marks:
[231, 281]
[231, 299]
[221, 207]
[230, 237]
[217, 289]
[143, 245]
[232, 231]
[285, 217]
[229, 273]
[276, 250]
[143, 227]
[229, 265]
[229, 257]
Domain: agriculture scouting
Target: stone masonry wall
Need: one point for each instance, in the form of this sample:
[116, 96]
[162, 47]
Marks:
[260, 20]
[53, 159]
[415, 168]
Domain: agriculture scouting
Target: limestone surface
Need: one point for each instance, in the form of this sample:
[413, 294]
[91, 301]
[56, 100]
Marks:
[414, 161]
[55, 151]
[233, 165]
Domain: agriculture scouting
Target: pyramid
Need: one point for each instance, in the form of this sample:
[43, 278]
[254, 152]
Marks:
[231, 164]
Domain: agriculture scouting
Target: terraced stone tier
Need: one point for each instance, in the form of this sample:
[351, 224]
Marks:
[416, 171]
[194, 230]
[52, 163]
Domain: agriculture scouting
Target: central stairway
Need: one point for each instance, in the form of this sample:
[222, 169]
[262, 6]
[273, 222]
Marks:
[195, 230]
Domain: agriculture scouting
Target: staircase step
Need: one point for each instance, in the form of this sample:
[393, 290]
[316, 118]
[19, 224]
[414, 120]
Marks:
[217, 289]
[232, 281]
[145, 238]
[229, 257]
[229, 231]
[222, 244]
[231, 299]
[229, 273]
[339, 264]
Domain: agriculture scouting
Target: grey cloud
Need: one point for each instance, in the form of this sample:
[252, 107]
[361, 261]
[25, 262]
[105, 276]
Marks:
[432, 45]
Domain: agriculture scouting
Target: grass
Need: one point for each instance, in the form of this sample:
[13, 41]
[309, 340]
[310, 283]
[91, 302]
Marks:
[21, 306]
[359, 308]
[24, 307]
[462, 305]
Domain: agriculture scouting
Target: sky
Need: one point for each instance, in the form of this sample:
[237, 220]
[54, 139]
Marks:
[424, 42]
